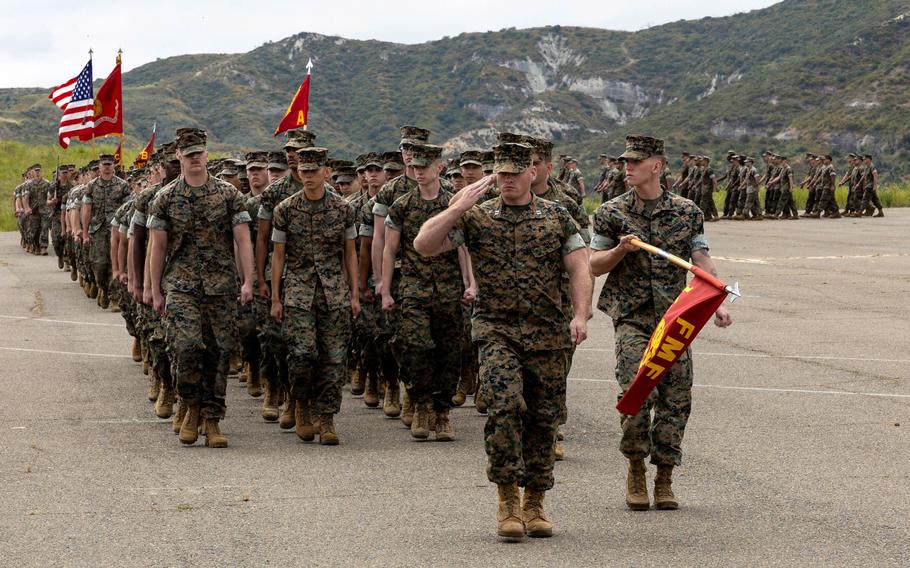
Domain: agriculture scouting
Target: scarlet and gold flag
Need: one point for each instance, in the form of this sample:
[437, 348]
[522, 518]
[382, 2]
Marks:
[109, 105]
[677, 329]
[118, 153]
[296, 115]
[146, 153]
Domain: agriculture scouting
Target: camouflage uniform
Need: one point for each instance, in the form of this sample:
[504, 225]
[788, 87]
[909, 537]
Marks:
[35, 192]
[749, 178]
[105, 196]
[826, 187]
[427, 343]
[868, 190]
[636, 294]
[785, 204]
[520, 325]
[272, 341]
[317, 317]
[772, 190]
[706, 195]
[151, 328]
[59, 192]
[119, 292]
[200, 281]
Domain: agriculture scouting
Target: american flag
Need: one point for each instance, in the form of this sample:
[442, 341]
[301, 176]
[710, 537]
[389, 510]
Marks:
[75, 98]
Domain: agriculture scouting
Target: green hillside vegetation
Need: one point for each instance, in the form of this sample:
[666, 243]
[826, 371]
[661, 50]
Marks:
[830, 76]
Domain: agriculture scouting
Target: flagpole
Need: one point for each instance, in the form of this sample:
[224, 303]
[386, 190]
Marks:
[123, 120]
[673, 259]
[93, 132]
[309, 68]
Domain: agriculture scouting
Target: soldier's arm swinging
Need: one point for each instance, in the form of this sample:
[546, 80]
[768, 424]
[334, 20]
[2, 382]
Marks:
[364, 266]
[86, 219]
[277, 310]
[350, 261]
[262, 253]
[245, 260]
[580, 289]
[122, 252]
[115, 254]
[376, 251]
[135, 261]
[392, 242]
[157, 251]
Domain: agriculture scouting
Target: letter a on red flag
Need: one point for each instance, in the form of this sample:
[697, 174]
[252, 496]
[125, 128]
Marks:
[296, 115]
[677, 329]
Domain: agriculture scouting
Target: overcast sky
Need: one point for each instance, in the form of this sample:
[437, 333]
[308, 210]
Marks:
[46, 42]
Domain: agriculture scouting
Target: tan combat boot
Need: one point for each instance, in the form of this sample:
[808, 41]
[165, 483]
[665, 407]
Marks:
[479, 403]
[179, 416]
[327, 435]
[287, 420]
[559, 451]
[663, 492]
[73, 274]
[444, 430]
[302, 424]
[536, 522]
[137, 350]
[164, 406]
[115, 307]
[213, 436]
[154, 386]
[253, 384]
[509, 523]
[189, 430]
[371, 391]
[391, 404]
[407, 410]
[637, 486]
[358, 380]
[270, 403]
[103, 300]
[420, 426]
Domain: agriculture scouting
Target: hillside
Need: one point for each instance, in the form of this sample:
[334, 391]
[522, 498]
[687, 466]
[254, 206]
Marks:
[828, 75]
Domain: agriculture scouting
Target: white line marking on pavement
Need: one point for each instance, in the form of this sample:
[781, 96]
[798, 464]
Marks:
[61, 321]
[769, 260]
[742, 260]
[768, 389]
[765, 356]
[77, 353]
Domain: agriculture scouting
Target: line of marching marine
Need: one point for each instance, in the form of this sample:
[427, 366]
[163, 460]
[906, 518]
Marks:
[697, 181]
[394, 269]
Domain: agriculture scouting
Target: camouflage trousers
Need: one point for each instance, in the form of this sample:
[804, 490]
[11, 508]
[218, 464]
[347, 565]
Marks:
[772, 196]
[785, 203]
[827, 201]
[273, 365]
[659, 436]
[250, 319]
[154, 333]
[750, 204]
[56, 234]
[39, 224]
[870, 196]
[525, 393]
[126, 304]
[811, 198]
[730, 201]
[82, 259]
[363, 338]
[428, 349]
[202, 332]
[317, 346]
[470, 366]
[99, 259]
[387, 330]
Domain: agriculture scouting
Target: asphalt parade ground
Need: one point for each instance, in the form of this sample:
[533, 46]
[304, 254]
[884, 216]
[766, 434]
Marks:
[797, 452]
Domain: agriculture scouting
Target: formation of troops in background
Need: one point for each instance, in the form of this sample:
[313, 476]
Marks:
[419, 282]
[699, 182]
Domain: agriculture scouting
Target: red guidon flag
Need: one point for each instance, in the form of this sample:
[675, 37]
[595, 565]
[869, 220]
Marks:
[295, 117]
[118, 153]
[109, 105]
[677, 329]
[146, 153]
